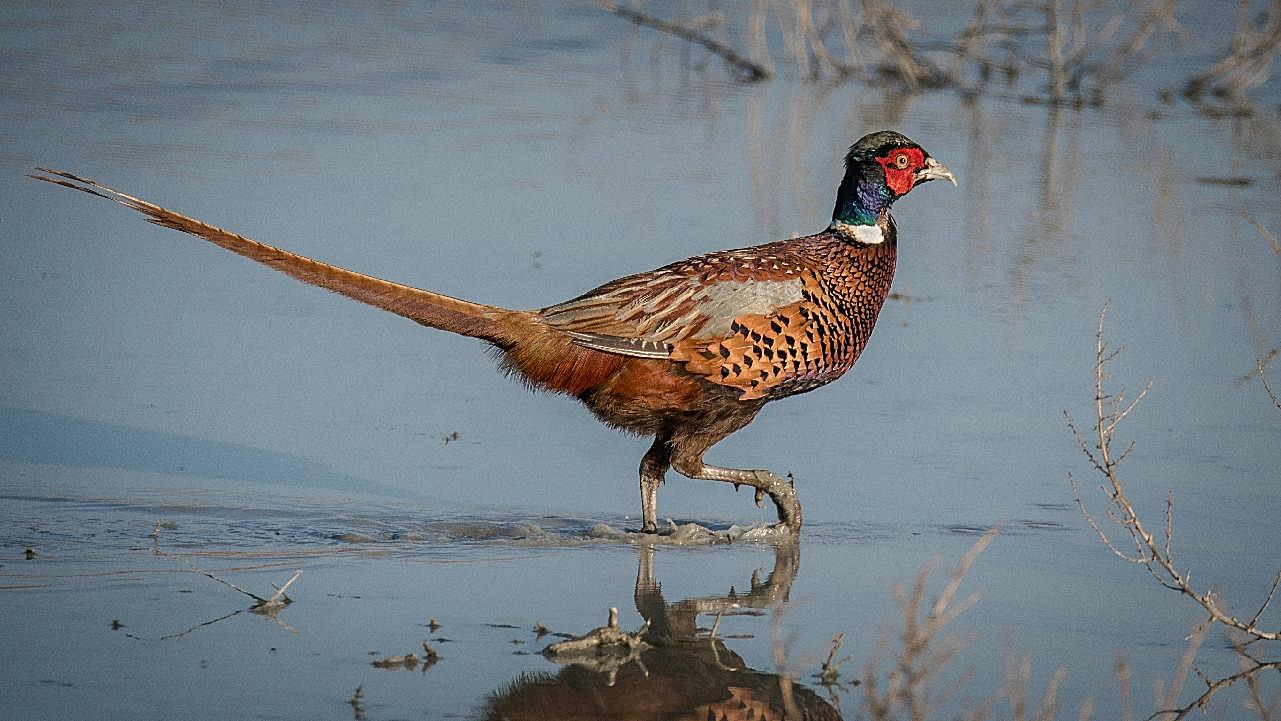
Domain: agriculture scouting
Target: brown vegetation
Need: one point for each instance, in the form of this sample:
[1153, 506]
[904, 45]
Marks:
[1076, 49]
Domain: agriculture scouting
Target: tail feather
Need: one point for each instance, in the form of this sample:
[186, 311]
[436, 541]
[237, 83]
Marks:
[496, 325]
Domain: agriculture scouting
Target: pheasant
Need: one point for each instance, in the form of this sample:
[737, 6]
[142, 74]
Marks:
[686, 354]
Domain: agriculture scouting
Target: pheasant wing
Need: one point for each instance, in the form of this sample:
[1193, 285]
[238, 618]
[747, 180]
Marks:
[741, 319]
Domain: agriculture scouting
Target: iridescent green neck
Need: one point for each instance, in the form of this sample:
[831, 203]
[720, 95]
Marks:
[860, 199]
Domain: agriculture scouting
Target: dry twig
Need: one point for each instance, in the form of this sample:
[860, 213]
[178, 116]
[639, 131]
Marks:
[268, 606]
[830, 672]
[1266, 386]
[1251, 669]
[1018, 674]
[908, 687]
[604, 638]
[1156, 556]
[746, 68]
[605, 649]
[1248, 63]
[1265, 233]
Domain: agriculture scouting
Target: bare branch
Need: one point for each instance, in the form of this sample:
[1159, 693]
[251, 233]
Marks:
[1267, 234]
[1202, 702]
[265, 605]
[1123, 676]
[278, 598]
[1157, 558]
[907, 687]
[1267, 387]
[1195, 639]
[1247, 64]
[1267, 601]
[749, 70]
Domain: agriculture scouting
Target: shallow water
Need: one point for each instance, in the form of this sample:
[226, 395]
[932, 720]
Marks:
[519, 156]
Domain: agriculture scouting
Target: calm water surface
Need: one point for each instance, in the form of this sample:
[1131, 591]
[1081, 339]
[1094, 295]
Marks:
[518, 156]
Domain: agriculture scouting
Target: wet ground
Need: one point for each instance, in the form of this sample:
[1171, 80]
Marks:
[164, 405]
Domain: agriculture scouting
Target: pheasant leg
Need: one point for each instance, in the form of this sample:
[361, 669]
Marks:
[653, 468]
[780, 491]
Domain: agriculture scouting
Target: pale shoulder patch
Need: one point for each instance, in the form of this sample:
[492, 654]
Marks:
[721, 303]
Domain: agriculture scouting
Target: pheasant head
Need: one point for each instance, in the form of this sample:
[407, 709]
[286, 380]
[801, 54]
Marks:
[879, 169]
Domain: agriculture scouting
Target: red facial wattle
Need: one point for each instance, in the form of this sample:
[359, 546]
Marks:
[900, 165]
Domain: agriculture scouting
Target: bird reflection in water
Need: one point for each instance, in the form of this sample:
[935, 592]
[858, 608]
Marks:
[678, 673]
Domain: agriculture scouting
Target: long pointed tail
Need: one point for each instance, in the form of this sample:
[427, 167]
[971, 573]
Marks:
[496, 325]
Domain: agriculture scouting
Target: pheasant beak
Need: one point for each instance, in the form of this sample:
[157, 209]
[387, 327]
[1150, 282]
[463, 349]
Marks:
[933, 170]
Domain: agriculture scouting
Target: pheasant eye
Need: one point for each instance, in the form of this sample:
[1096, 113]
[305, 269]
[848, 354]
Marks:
[901, 160]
